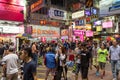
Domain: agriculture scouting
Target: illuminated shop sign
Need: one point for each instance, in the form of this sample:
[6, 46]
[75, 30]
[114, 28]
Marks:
[108, 24]
[78, 14]
[94, 11]
[11, 12]
[12, 29]
[45, 31]
[37, 5]
[79, 22]
[87, 12]
[97, 23]
[57, 14]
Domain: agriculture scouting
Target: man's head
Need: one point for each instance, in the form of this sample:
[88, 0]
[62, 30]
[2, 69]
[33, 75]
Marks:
[114, 43]
[26, 53]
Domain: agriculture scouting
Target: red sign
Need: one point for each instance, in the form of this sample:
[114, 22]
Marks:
[77, 6]
[37, 5]
[11, 12]
[17, 2]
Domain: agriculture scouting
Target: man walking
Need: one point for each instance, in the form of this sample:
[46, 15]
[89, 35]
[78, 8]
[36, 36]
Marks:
[114, 54]
[10, 64]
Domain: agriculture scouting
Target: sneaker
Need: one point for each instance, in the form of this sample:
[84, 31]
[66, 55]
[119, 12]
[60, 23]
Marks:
[97, 73]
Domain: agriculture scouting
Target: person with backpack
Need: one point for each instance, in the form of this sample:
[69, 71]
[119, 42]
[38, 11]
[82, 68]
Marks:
[50, 62]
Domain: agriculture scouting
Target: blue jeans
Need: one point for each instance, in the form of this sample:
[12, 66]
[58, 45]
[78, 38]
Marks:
[115, 72]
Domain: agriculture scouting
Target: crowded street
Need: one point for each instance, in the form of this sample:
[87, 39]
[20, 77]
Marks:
[59, 39]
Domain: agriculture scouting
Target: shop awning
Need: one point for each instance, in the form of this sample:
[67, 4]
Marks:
[25, 35]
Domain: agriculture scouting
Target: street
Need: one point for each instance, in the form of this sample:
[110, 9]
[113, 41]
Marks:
[108, 76]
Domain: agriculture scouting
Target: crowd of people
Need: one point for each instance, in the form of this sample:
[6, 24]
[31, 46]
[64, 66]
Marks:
[58, 57]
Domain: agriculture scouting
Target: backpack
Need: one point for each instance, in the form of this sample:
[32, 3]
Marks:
[50, 60]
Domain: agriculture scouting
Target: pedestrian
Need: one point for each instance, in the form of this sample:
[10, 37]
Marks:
[34, 52]
[78, 65]
[29, 68]
[94, 57]
[61, 64]
[50, 62]
[102, 59]
[10, 64]
[114, 55]
[86, 61]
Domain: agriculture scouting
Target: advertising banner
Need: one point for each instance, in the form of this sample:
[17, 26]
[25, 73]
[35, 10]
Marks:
[98, 28]
[89, 33]
[109, 7]
[57, 14]
[108, 24]
[12, 29]
[11, 12]
[37, 5]
[78, 32]
[45, 31]
[78, 14]
[64, 32]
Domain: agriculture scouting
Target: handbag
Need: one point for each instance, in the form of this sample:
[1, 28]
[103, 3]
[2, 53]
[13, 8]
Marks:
[118, 65]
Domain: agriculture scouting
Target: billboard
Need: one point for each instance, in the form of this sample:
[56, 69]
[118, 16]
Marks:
[57, 14]
[11, 10]
[78, 14]
[110, 7]
[37, 5]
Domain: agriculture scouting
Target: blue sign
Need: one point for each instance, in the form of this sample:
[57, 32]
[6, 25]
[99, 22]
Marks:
[87, 12]
[115, 5]
[79, 22]
[94, 11]
[58, 13]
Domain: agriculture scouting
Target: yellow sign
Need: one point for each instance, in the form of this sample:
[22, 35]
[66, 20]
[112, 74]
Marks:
[98, 28]
[88, 26]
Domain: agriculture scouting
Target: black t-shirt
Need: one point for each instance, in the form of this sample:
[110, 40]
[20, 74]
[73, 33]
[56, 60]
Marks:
[28, 70]
[85, 56]
[2, 50]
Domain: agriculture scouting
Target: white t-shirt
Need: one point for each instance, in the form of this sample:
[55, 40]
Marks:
[11, 61]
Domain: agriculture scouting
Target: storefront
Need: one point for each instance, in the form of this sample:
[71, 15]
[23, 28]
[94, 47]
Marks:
[45, 32]
[9, 32]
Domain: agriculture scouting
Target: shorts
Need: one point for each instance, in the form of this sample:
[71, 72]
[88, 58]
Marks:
[50, 70]
[95, 62]
[102, 65]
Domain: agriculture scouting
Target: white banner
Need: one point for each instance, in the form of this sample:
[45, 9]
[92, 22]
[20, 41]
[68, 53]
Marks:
[78, 14]
[11, 29]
